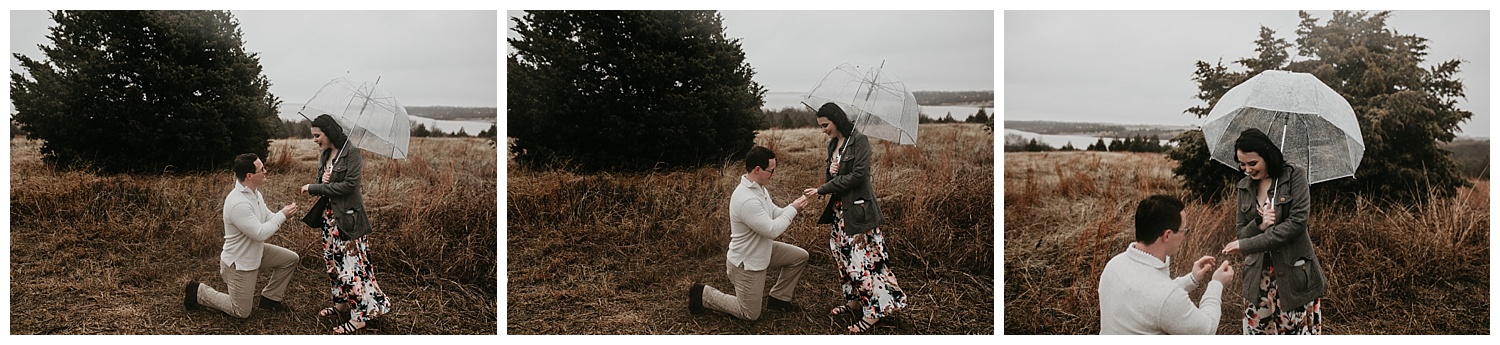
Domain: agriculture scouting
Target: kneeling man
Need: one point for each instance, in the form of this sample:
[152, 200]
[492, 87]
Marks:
[1137, 294]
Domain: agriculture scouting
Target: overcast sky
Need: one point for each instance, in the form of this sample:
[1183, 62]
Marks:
[1135, 67]
[422, 57]
[929, 50]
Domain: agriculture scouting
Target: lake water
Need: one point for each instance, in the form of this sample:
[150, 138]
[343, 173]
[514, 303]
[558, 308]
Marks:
[778, 100]
[288, 112]
[1058, 141]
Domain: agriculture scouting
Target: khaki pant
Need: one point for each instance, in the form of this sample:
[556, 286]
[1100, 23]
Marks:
[749, 286]
[276, 261]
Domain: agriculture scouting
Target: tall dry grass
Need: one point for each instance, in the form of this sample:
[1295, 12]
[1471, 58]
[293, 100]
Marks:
[98, 253]
[1420, 269]
[612, 253]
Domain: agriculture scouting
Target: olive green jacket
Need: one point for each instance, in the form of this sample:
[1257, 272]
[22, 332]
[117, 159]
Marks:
[852, 186]
[1285, 245]
[342, 193]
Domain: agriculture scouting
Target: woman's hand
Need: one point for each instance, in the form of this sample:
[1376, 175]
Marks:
[810, 192]
[1232, 248]
[835, 167]
[1267, 215]
[304, 188]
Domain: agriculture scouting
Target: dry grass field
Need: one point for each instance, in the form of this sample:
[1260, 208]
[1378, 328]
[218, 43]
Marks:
[109, 254]
[610, 253]
[1421, 269]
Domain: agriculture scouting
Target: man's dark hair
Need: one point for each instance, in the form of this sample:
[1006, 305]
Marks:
[1253, 140]
[1155, 215]
[758, 157]
[840, 120]
[244, 164]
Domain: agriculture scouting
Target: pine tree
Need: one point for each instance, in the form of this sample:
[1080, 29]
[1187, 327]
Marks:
[629, 90]
[1405, 111]
[145, 91]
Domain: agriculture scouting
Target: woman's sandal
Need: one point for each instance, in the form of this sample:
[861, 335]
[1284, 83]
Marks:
[347, 328]
[840, 310]
[328, 312]
[862, 326]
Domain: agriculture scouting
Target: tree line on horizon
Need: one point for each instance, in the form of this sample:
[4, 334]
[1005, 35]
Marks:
[953, 97]
[452, 112]
[1137, 143]
[791, 117]
[302, 129]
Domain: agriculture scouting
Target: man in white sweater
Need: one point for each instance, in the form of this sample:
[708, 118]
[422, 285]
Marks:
[1137, 294]
[248, 223]
[754, 223]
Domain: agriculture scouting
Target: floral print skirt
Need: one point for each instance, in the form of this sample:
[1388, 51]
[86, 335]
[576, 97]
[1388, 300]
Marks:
[864, 271]
[352, 276]
[1267, 316]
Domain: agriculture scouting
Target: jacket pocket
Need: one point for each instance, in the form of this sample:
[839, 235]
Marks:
[1301, 274]
[353, 223]
[1248, 212]
[857, 214]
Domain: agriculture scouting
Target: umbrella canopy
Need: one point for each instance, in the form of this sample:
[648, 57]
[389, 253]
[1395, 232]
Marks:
[877, 102]
[372, 119]
[1315, 125]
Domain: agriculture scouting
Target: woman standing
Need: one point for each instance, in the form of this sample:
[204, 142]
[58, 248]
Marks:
[1283, 278]
[340, 212]
[856, 240]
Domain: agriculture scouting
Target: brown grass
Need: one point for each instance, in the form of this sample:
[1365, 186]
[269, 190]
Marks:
[109, 254]
[615, 253]
[1392, 270]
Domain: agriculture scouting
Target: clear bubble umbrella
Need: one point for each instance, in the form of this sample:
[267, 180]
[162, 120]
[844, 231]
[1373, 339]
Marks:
[1316, 127]
[372, 119]
[877, 102]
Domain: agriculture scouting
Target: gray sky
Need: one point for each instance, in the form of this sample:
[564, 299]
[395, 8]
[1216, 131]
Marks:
[1135, 67]
[422, 57]
[928, 50]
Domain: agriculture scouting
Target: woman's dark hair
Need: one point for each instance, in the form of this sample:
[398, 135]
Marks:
[840, 120]
[244, 164]
[331, 130]
[1253, 140]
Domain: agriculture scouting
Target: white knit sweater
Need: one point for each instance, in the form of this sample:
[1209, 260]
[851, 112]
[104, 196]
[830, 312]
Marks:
[1137, 295]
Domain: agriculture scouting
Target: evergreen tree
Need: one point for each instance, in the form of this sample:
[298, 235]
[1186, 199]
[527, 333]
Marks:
[979, 117]
[420, 131]
[629, 90]
[296, 129]
[145, 91]
[489, 133]
[1405, 111]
